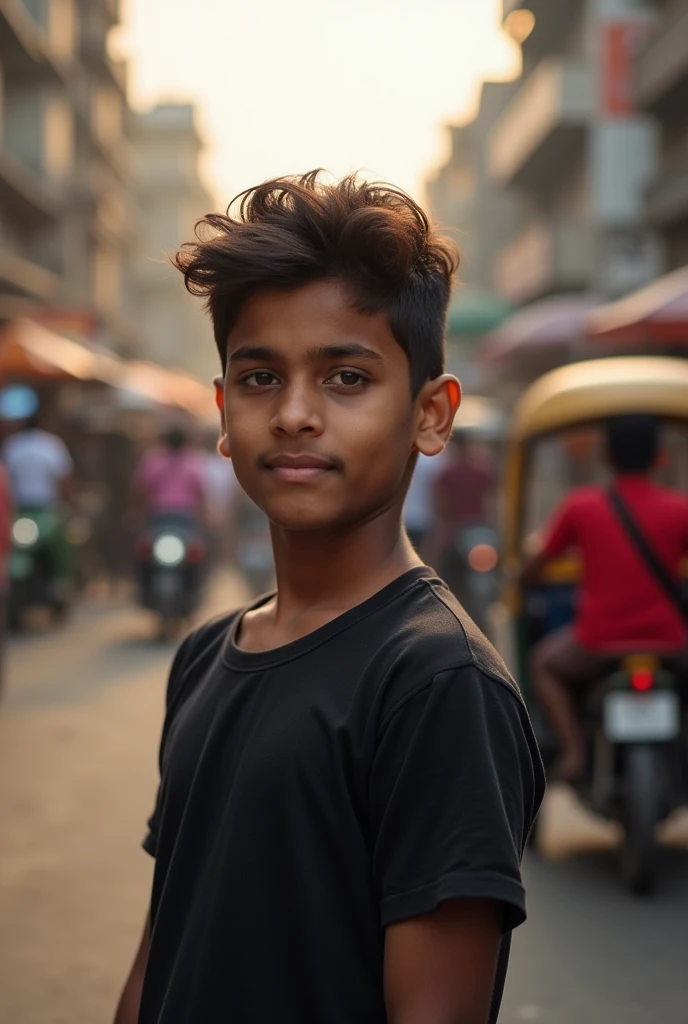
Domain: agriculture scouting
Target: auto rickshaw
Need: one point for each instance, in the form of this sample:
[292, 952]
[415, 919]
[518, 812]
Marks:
[635, 718]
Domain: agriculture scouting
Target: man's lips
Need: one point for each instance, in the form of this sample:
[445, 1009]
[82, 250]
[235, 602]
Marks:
[298, 468]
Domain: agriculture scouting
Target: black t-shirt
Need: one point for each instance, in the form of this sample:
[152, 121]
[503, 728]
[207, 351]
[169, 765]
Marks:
[313, 794]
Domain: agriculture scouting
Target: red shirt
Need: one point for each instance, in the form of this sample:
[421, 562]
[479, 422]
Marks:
[621, 603]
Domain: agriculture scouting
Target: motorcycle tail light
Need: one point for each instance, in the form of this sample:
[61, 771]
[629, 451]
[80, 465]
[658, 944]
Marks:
[483, 558]
[642, 680]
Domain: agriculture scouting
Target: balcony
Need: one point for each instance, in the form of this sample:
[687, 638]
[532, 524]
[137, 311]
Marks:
[662, 70]
[21, 277]
[94, 54]
[26, 48]
[544, 125]
[28, 195]
[667, 195]
[546, 258]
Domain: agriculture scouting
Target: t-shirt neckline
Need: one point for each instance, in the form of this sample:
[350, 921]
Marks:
[235, 657]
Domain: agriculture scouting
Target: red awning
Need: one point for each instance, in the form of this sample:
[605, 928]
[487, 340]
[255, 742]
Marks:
[555, 323]
[655, 315]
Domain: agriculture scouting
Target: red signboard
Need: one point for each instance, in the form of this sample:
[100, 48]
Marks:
[620, 43]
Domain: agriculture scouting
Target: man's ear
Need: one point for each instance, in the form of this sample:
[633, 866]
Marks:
[223, 443]
[438, 402]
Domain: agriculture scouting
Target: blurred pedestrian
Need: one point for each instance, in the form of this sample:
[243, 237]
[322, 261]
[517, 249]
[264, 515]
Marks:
[42, 478]
[419, 512]
[463, 495]
[170, 478]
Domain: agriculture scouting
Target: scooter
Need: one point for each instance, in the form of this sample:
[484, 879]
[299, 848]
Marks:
[33, 566]
[171, 557]
[636, 774]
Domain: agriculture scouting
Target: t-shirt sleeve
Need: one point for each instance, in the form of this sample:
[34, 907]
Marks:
[454, 788]
[560, 534]
[174, 690]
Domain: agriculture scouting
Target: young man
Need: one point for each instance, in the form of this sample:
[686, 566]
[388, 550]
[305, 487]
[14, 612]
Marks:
[622, 607]
[348, 773]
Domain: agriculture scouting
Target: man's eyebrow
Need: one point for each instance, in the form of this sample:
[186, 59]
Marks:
[344, 351]
[264, 354]
[253, 354]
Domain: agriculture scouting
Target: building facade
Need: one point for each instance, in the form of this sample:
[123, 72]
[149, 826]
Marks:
[174, 330]
[464, 198]
[572, 143]
[65, 176]
[661, 89]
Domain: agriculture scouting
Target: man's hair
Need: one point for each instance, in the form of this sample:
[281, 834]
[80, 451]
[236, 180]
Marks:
[289, 232]
[632, 442]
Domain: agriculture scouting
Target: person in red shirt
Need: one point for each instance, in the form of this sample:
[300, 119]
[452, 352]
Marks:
[622, 607]
[462, 496]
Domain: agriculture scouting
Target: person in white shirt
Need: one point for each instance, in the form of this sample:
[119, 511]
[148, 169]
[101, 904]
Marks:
[41, 474]
[40, 468]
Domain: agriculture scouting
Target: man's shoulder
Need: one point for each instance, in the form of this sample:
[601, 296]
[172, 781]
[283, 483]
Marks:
[209, 634]
[433, 634]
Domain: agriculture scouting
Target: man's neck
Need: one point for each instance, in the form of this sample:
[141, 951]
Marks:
[324, 573]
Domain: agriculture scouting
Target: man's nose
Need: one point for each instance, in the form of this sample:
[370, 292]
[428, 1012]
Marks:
[298, 410]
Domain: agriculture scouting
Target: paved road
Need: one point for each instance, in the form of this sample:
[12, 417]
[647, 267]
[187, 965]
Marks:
[591, 954]
[78, 730]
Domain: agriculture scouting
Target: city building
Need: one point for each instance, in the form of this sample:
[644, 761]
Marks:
[65, 217]
[572, 143]
[175, 331]
[479, 215]
[464, 198]
[661, 89]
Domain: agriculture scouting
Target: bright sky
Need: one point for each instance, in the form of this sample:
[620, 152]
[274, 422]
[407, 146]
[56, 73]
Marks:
[287, 85]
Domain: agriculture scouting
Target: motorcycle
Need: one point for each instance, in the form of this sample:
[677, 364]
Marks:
[171, 557]
[637, 768]
[34, 564]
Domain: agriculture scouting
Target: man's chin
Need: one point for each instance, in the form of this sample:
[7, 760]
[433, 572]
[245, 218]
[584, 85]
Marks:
[302, 519]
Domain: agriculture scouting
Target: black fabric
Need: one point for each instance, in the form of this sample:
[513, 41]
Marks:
[314, 794]
[658, 570]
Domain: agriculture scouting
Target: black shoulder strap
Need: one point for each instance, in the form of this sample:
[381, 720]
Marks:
[659, 571]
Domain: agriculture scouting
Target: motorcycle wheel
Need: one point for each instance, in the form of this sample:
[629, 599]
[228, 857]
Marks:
[642, 806]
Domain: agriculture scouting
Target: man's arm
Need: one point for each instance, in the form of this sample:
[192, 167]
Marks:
[560, 535]
[440, 967]
[130, 1000]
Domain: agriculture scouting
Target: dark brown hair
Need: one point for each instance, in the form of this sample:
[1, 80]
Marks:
[291, 231]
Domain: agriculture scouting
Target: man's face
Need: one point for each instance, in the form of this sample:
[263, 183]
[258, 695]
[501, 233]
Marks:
[319, 419]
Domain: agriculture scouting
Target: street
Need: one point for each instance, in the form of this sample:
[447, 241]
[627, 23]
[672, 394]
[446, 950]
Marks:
[79, 728]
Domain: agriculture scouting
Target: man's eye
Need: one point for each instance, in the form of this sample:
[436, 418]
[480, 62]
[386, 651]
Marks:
[260, 379]
[347, 378]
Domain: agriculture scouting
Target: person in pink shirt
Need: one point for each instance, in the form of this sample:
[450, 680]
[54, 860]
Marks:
[170, 479]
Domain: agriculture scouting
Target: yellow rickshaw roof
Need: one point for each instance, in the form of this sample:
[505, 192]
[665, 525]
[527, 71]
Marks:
[598, 388]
